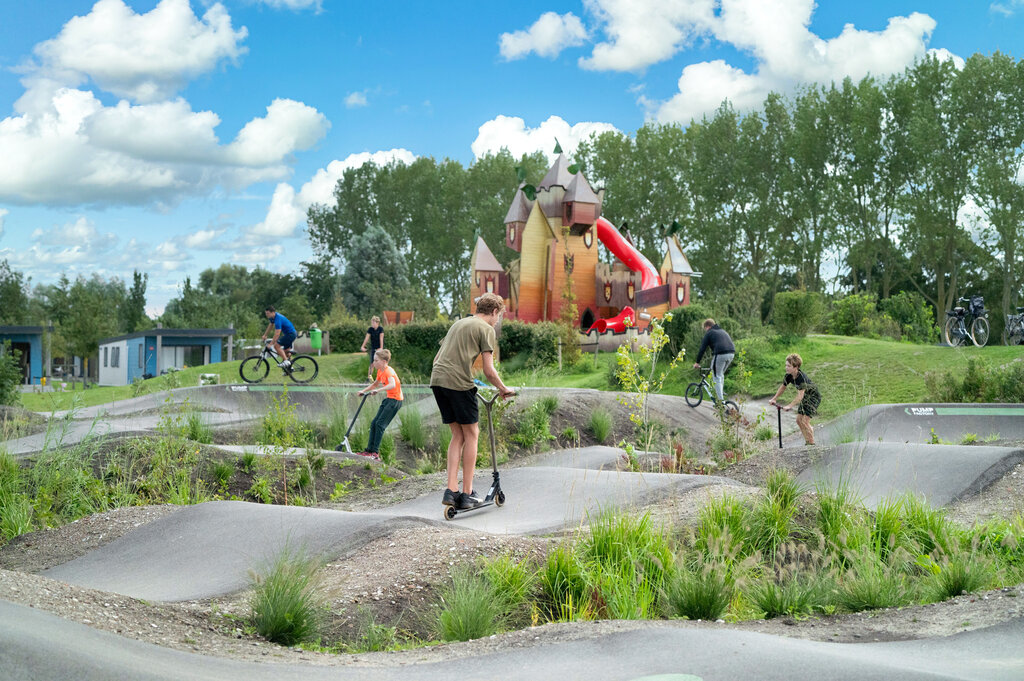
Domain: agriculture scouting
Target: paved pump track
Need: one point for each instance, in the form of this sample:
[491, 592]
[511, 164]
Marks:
[208, 550]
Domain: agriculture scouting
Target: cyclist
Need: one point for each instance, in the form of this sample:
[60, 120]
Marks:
[722, 352]
[284, 334]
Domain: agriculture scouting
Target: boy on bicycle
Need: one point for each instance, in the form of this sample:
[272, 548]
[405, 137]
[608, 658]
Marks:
[807, 396]
[284, 334]
[386, 380]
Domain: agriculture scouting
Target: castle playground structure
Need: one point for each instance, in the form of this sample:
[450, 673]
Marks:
[557, 236]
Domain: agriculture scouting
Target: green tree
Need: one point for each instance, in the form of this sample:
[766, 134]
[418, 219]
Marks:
[10, 374]
[376, 278]
[92, 314]
[14, 303]
[132, 313]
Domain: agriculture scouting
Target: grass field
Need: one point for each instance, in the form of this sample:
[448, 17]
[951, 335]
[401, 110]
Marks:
[850, 372]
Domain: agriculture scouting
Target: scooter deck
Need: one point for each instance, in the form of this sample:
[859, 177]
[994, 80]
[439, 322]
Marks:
[498, 499]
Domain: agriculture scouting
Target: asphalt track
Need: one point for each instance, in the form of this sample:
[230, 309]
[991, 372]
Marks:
[42, 647]
[209, 549]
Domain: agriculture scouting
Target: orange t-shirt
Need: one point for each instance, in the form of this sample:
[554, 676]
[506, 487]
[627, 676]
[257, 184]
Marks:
[384, 376]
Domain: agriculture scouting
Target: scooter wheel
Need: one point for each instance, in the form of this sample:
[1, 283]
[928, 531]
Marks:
[449, 512]
[499, 500]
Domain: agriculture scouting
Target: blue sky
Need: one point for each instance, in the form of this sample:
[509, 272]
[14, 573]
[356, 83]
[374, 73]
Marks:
[173, 136]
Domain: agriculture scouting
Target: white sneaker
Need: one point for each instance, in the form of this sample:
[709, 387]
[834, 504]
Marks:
[285, 364]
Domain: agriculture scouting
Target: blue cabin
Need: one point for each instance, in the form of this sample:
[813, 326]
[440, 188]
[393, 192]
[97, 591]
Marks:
[28, 340]
[152, 352]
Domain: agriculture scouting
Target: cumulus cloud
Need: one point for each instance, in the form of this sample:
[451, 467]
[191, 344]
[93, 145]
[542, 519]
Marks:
[547, 37]
[144, 57]
[355, 100]
[288, 208]
[64, 146]
[511, 133]
[644, 32]
[787, 53]
[202, 239]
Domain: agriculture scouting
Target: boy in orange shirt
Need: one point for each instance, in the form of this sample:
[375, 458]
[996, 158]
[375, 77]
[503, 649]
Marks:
[386, 380]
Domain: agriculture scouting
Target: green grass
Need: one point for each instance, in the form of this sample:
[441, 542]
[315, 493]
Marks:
[334, 369]
[469, 608]
[286, 607]
[600, 424]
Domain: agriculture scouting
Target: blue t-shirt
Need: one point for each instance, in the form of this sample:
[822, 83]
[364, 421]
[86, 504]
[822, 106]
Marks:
[281, 322]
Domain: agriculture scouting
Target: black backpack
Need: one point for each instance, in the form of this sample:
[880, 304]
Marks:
[977, 306]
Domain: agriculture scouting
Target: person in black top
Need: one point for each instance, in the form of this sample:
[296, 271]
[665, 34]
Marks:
[807, 396]
[722, 352]
[375, 337]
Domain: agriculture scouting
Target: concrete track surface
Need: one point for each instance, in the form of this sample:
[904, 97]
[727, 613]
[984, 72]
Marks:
[36, 646]
[208, 550]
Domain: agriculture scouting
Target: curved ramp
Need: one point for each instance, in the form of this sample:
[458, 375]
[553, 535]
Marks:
[941, 474]
[915, 423]
[43, 646]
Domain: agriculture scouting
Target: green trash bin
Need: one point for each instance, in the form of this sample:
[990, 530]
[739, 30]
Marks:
[316, 339]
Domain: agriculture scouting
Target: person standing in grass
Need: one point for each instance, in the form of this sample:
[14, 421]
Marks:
[807, 396]
[451, 381]
[375, 338]
[386, 380]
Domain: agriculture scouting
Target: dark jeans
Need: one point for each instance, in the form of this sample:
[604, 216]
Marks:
[388, 408]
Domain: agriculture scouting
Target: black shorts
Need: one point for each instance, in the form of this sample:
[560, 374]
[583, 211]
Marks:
[457, 406]
[285, 340]
[809, 404]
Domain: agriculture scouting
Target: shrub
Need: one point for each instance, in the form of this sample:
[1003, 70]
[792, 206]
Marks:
[468, 608]
[763, 433]
[285, 606]
[979, 383]
[10, 374]
[564, 590]
[686, 328]
[914, 316]
[858, 315]
[963, 572]
[795, 593]
[538, 341]
[872, 583]
[797, 313]
[600, 424]
[534, 426]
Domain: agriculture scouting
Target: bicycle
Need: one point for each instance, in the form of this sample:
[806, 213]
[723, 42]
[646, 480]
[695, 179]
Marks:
[695, 395]
[956, 329]
[1013, 331]
[303, 368]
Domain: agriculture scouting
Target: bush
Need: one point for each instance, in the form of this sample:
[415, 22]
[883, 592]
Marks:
[534, 426]
[539, 342]
[686, 328]
[285, 606]
[469, 608]
[10, 374]
[701, 590]
[797, 313]
[980, 383]
[600, 424]
[915, 317]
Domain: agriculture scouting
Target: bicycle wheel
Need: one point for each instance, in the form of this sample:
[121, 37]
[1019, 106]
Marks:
[254, 369]
[732, 411]
[303, 369]
[694, 394]
[979, 331]
[951, 331]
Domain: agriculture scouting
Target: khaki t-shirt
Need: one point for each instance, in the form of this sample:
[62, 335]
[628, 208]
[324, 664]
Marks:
[453, 364]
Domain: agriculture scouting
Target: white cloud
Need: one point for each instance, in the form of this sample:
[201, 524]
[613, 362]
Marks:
[644, 32]
[64, 146]
[1007, 8]
[144, 57]
[288, 209]
[294, 4]
[355, 100]
[511, 133]
[202, 239]
[258, 256]
[776, 33]
[547, 37]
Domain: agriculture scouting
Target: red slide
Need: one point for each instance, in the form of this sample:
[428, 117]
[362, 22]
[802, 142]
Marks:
[616, 323]
[624, 251]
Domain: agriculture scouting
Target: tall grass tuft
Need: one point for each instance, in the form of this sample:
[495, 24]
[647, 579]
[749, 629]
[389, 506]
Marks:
[387, 449]
[286, 607]
[468, 608]
[929, 528]
[411, 428]
[548, 404]
[600, 424]
[840, 517]
[373, 636]
[888, 530]
[698, 589]
[871, 582]
[534, 426]
[565, 595]
[965, 571]
[723, 526]
[514, 583]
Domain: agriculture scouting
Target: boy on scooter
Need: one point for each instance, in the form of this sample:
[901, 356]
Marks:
[386, 380]
[451, 381]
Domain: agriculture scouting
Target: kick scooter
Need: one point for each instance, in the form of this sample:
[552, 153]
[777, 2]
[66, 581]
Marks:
[494, 495]
[345, 446]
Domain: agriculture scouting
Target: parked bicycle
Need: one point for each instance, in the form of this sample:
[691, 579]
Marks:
[695, 393]
[967, 323]
[1013, 329]
[303, 368]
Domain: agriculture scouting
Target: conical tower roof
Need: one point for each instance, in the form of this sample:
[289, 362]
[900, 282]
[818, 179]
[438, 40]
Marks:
[483, 259]
[558, 174]
[579, 190]
[519, 211]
